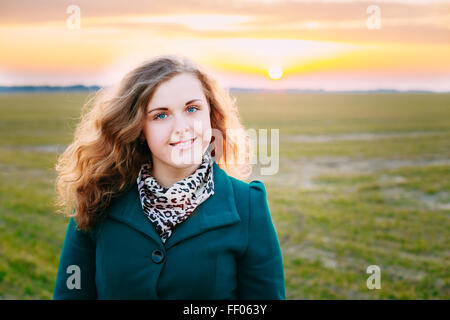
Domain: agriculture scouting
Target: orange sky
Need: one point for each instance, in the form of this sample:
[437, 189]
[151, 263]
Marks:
[318, 44]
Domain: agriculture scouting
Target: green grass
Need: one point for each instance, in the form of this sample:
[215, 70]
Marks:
[338, 205]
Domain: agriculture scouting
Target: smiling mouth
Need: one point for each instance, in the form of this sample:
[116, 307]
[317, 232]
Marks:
[185, 143]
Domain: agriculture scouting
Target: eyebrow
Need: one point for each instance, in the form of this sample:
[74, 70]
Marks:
[165, 108]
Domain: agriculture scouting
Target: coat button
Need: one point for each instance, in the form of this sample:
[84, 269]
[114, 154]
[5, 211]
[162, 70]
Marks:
[157, 256]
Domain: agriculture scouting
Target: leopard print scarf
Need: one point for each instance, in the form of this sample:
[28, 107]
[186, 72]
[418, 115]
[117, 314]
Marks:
[168, 207]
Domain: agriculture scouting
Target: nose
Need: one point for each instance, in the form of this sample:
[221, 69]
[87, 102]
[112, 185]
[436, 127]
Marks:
[181, 126]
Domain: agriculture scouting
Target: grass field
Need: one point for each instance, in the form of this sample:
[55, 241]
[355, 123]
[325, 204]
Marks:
[364, 179]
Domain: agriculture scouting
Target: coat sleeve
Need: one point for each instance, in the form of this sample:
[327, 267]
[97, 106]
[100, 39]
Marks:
[260, 269]
[75, 279]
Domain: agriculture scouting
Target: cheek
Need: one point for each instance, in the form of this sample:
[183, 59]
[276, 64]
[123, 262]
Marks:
[155, 135]
[206, 128]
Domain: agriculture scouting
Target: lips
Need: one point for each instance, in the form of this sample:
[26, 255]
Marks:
[184, 142]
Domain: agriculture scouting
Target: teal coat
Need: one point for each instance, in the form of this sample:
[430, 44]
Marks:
[227, 249]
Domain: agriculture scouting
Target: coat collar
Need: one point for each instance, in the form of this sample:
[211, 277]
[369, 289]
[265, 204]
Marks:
[217, 211]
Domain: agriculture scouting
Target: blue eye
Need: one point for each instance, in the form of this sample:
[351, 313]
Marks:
[195, 108]
[159, 114]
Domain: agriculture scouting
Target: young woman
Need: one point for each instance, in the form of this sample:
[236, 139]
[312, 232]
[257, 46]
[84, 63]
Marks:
[159, 208]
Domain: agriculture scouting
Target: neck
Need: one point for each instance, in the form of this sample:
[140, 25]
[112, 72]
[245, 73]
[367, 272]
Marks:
[167, 176]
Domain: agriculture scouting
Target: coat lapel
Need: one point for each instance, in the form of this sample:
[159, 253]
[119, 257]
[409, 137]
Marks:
[217, 211]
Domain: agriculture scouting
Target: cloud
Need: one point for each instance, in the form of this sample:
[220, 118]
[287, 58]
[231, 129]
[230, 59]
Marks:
[27, 11]
[404, 21]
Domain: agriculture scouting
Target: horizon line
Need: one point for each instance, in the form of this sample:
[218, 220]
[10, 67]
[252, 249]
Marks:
[84, 88]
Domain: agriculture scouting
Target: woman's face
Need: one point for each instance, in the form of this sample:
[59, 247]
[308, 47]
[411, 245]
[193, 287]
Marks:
[178, 111]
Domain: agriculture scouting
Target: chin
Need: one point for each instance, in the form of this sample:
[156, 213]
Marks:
[184, 161]
[186, 158]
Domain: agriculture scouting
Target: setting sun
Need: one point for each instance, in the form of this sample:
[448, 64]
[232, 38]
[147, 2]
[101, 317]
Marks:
[275, 72]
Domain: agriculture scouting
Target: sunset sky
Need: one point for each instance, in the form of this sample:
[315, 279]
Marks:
[330, 45]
